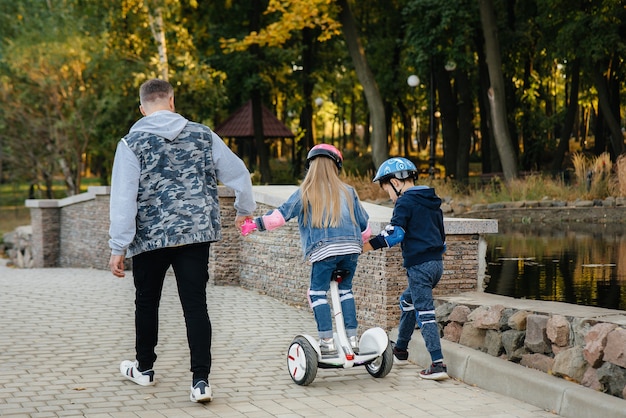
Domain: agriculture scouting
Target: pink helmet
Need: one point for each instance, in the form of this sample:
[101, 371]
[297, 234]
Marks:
[325, 150]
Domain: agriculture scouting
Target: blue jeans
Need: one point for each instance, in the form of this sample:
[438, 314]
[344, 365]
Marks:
[320, 284]
[418, 307]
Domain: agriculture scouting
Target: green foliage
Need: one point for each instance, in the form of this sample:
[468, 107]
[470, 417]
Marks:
[70, 71]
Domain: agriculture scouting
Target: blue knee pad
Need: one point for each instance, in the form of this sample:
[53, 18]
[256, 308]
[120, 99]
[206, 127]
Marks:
[406, 306]
[317, 298]
[426, 317]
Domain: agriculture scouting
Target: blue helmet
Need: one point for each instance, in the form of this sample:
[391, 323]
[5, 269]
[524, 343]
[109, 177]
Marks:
[397, 167]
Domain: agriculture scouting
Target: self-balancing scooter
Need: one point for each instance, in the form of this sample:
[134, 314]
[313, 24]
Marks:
[304, 355]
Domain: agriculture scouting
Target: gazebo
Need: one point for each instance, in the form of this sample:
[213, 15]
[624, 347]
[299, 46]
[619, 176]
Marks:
[239, 126]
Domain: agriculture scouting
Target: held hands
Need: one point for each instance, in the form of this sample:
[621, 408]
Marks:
[248, 227]
[367, 247]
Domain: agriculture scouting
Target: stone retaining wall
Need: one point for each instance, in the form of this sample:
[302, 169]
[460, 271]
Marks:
[582, 344]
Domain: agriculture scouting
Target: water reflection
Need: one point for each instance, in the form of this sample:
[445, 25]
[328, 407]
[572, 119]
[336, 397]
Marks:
[577, 264]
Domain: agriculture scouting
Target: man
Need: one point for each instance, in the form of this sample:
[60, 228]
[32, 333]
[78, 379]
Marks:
[165, 213]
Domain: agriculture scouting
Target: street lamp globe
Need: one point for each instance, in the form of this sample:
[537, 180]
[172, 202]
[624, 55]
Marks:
[413, 80]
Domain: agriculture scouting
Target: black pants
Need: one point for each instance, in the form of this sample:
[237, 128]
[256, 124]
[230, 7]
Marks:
[190, 264]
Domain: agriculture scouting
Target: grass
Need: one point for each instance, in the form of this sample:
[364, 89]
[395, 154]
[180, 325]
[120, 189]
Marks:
[14, 213]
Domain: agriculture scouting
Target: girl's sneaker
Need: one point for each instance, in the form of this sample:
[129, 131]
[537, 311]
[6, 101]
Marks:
[327, 346]
[436, 371]
[130, 370]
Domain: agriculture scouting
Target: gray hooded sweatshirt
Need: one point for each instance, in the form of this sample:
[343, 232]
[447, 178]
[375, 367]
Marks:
[164, 185]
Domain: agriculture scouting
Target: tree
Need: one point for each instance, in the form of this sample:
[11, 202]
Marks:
[296, 15]
[370, 87]
[496, 91]
[51, 82]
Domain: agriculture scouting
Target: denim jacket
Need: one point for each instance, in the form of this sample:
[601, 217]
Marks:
[316, 238]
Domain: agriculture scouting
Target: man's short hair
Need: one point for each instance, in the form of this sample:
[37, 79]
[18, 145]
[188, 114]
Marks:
[155, 89]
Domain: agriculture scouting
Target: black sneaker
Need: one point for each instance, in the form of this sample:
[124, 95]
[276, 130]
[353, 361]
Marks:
[400, 356]
[436, 371]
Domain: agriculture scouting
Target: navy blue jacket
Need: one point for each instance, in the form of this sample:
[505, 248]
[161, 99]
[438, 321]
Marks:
[418, 212]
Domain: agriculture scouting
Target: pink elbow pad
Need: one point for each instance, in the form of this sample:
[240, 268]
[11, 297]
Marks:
[273, 220]
[366, 235]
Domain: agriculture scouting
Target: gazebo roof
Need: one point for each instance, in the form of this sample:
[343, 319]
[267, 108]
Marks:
[240, 125]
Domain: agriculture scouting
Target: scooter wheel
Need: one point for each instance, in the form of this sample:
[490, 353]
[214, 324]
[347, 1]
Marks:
[381, 365]
[302, 361]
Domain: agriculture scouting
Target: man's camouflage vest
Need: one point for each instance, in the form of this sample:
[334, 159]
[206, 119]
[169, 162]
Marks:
[177, 203]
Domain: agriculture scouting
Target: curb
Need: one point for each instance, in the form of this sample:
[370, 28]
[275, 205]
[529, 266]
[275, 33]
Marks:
[537, 388]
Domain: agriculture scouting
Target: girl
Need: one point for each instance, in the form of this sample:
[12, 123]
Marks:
[333, 226]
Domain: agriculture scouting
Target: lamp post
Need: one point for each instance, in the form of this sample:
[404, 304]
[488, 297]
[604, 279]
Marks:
[414, 81]
[431, 160]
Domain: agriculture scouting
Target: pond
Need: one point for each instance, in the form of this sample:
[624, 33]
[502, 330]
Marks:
[578, 264]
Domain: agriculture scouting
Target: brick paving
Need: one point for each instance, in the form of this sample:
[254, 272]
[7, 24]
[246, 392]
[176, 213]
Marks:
[63, 333]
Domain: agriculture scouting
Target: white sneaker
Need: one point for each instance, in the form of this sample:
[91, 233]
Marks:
[354, 343]
[327, 346]
[201, 392]
[130, 371]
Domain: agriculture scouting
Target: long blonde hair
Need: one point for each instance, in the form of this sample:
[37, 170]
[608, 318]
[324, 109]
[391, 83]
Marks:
[322, 190]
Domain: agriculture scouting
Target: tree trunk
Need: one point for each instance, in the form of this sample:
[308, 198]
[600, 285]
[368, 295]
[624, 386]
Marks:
[497, 102]
[367, 80]
[155, 16]
[604, 103]
[466, 128]
[407, 128]
[257, 103]
[449, 121]
[570, 118]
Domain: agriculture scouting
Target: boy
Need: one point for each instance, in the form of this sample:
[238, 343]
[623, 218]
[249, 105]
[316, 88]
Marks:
[417, 224]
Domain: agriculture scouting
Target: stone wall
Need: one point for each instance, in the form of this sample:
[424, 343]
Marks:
[272, 262]
[582, 344]
[73, 232]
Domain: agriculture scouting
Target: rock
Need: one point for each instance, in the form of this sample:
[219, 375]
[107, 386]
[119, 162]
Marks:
[558, 330]
[615, 349]
[595, 341]
[512, 342]
[487, 317]
[612, 378]
[472, 337]
[570, 363]
[517, 321]
[538, 362]
[590, 380]
[452, 332]
[536, 339]
[493, 343]
[442, 311]
[460, 314]
[583, 204]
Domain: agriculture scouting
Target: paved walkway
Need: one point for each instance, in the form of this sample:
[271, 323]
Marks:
[63, 333]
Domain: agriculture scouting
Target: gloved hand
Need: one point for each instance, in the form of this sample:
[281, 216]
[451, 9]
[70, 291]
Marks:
[389, 237]
[248, 227]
